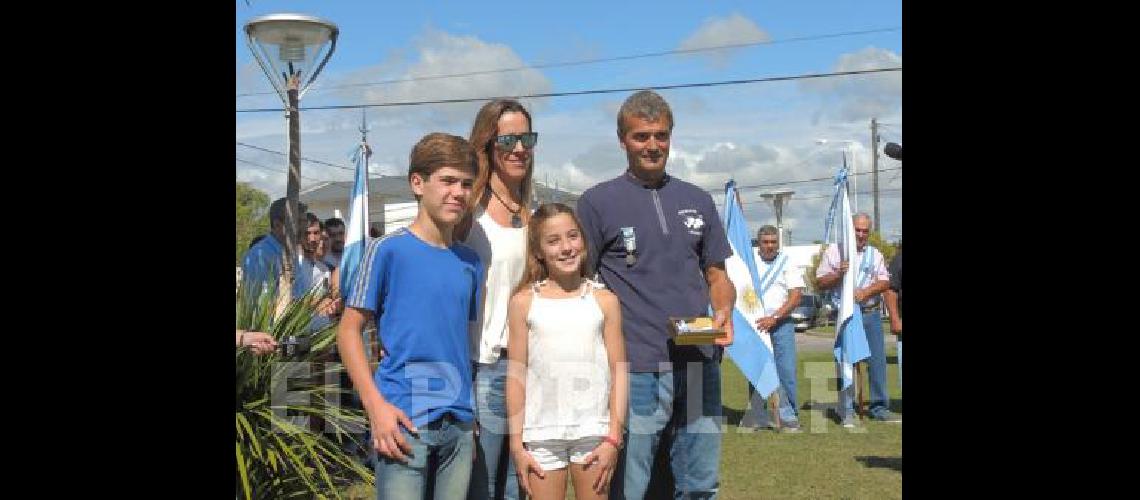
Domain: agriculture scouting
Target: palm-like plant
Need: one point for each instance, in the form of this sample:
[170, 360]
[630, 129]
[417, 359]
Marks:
[276, 456]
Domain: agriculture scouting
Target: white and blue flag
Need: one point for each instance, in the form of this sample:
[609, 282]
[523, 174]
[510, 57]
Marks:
[751, 350]
[356, 227]
[851, 340]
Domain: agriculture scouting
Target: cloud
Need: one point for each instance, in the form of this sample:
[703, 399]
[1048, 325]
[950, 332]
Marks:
[757, 135]
[601, 161]
[717, 31]
[440, 53]
[329, 135]
[859, 97]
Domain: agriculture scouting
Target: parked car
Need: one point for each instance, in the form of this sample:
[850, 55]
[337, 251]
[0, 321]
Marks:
[803, 316]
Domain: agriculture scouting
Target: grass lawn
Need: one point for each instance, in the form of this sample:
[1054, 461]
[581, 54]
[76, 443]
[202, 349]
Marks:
[823, 461]
[829, 330]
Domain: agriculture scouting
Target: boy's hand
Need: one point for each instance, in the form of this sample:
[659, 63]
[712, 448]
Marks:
[386, 436]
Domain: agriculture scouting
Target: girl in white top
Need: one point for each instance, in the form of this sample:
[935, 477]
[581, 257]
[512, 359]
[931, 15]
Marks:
[567, 384]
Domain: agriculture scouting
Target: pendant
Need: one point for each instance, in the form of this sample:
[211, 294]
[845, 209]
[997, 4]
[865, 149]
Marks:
[630, 259]
[516, 221]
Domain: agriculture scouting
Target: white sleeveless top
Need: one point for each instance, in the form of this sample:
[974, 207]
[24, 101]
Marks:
[502, 251]
[568, 373]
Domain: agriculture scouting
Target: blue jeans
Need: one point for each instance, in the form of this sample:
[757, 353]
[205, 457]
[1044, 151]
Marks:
[684, 403]
[440, 463]
[784, 349]
[494, 474]
[876, 367]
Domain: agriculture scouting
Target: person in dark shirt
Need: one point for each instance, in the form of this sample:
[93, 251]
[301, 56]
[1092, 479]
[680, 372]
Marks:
[658, 243]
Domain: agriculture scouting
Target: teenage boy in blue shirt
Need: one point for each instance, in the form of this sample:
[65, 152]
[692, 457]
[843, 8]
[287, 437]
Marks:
[423, 287]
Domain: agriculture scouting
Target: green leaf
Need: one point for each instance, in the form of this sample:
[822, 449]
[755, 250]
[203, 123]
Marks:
[242, 472]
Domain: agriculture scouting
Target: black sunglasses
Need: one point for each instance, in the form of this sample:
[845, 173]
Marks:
[507, 142]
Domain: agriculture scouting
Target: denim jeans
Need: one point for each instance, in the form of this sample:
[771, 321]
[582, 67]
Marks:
[440, 463]
[494, 474]
[686, 404]
[876, 368]
[784, 349]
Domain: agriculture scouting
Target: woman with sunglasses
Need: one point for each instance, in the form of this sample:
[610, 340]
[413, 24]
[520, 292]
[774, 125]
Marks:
[496, 228]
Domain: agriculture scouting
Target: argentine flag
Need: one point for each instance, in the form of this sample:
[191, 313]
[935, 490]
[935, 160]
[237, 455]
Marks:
[356, 227]
[851, 341]
[750, 350]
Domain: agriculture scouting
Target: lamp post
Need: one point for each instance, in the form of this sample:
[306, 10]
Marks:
[777, 198]
[287, 47]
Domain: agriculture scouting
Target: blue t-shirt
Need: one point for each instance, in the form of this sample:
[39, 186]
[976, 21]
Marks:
[677, 234]
[424, 297]
[262, 264]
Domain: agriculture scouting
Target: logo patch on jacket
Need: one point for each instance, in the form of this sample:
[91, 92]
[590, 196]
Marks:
[693, 220]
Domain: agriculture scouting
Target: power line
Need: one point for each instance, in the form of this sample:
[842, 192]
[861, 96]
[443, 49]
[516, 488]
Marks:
[306, 177]
[593, 61]
[825, 196]
[709, 190]
[784, 183]
[251, 146]
[586, 92]
[277, 169]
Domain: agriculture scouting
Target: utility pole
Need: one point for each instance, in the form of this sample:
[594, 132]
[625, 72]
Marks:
[875, 171]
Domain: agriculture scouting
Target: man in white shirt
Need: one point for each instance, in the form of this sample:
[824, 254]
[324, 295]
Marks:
[779, 293]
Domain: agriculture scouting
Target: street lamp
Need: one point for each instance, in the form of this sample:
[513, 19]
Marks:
[854, 168]
[287, 47]
[777, 198]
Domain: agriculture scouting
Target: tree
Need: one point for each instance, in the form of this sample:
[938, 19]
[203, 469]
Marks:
[809, 272]
[885, 247]
[252, 216]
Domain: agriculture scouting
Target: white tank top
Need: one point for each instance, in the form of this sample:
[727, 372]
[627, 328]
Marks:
[568, 373]
[502, 251]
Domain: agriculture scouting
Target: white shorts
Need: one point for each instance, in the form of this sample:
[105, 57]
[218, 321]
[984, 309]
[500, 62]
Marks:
[555, 453]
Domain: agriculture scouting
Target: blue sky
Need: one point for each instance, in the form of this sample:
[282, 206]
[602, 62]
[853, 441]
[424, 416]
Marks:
[758, 133]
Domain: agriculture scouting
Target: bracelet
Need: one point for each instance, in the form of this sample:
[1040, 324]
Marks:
[611, 440]
[241, 338]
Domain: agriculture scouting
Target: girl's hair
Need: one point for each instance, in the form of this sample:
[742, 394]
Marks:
[535, 270]
[483, 134]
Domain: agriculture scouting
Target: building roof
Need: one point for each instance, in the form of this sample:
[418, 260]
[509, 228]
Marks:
[395, 189]
[391, 188]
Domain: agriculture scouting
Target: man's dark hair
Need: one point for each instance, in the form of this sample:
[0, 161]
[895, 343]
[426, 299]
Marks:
[332, 222]
[311, 218]
[277, 210]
